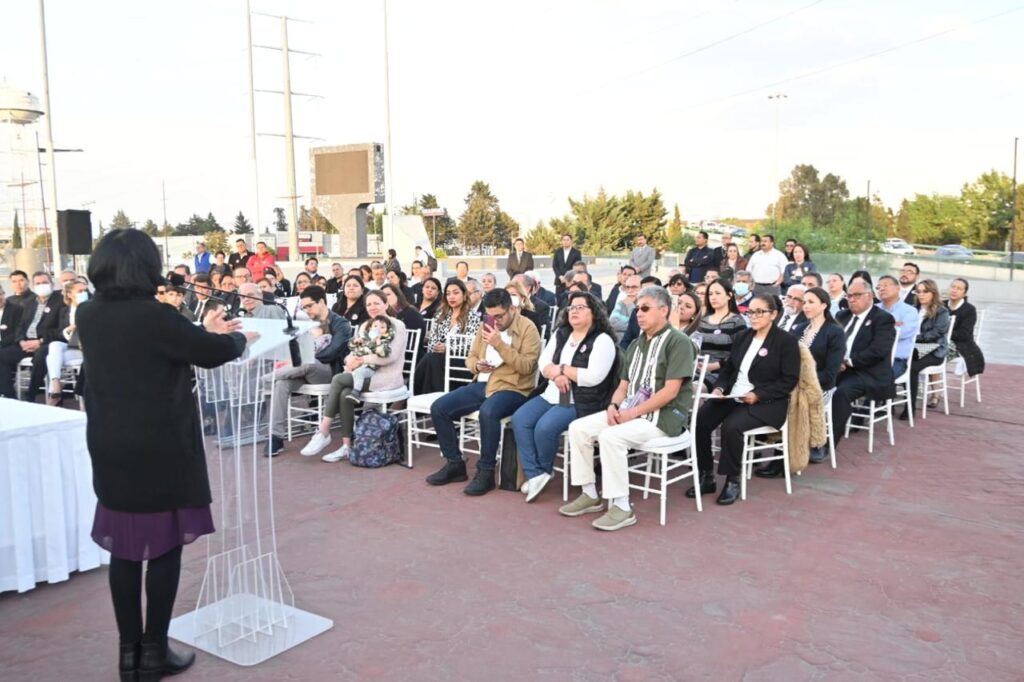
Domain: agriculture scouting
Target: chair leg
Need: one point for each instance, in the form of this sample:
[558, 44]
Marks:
[695, 474]
[871, 427]
[744, 463]
[565, 470]
[977, 386]
[888, 419]
[647, 474]
[664, 490]
[945, 394]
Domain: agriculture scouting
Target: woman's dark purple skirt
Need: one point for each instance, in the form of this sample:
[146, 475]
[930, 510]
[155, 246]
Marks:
[144, 536]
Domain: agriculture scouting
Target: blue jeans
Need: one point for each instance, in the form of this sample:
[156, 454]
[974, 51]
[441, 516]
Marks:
[538, 426]
[899, 366]
[449, 408]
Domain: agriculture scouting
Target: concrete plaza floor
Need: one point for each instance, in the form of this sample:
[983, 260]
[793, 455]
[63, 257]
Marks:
[899, 565]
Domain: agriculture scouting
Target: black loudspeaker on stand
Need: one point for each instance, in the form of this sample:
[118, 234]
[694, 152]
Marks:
[74, 230]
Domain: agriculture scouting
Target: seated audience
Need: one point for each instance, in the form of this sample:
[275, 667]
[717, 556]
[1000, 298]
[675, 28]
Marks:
[799, 265]
[624, 306]
[686, 317]
[253, 306]
[866, 370]
[931, 348]
[313, 301]
[965, 318]
[65, 348]
[455, 316]
[752, 390]
[21, 293]
[812, 279]
[503, 360]
[836, 288]
[397, 278]
[400, 308]
[653, 400]
[733, 259]
[613, 296]
[792, 308]
[350, 301]
[743, 288]
[908, 283]
[39, 325]
[719, 326]
[907, 321]
[282, 287]
[175, 297]
[10, 317]
[521, 302]
[678, 284]
[578, 379]
[824, 338]
[379, 368]
[302, 280]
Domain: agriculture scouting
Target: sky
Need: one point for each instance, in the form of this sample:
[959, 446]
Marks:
[543, 100]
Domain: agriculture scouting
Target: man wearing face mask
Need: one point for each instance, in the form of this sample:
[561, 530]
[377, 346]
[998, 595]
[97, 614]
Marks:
[40, 324]
[743, 287]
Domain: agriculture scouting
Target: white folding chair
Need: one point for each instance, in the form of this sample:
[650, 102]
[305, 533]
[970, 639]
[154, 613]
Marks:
[753, 442]
[302, 420]
[933, 381]
[381, 399]
[826, 398]
[418, 407]
[22, 376]
[903, 384]
[663, 455]
[873, 412]
[965, 378]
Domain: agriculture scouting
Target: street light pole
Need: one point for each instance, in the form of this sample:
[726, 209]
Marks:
[48, 115]
[389, 187]
[778, 97]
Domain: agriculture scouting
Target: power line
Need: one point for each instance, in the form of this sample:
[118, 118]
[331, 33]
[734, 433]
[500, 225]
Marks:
[871, 55]
[710, 45]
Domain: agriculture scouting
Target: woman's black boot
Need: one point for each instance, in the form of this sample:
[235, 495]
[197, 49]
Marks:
[159, 659]
[128, 662]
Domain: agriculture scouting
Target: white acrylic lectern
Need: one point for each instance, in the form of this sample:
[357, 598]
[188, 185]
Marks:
[246, 610]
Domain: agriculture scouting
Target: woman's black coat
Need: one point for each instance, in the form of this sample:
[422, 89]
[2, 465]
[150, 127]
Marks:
[774, 372]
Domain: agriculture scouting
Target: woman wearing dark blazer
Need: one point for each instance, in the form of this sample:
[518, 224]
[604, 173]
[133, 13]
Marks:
[966, 317]
[350, 303]
[825, 339]
[761, 372]
[145, 439]
[400, 309]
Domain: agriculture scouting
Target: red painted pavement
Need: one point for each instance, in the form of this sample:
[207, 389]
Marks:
[901, 565]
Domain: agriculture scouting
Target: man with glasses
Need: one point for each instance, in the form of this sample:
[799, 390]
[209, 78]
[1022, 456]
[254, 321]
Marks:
[619, 319]
[324, 366]
[908, 320]
[792, 308]
[624, 272]
[908, 283]
[503, 360]
[653, 400]
[866, 370]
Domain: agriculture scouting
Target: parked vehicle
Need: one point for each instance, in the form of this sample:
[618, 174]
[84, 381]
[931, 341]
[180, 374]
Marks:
[954, 252]
[898, 247]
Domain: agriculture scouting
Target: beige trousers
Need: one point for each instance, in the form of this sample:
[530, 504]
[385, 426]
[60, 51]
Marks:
[615, 442]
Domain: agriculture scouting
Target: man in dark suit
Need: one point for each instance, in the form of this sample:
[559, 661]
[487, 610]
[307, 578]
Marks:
[867, 367]
[520, 261]
[699, 259]
[10, 316]
[39, 325]
[908, 283]
[563, 260]
[625, 272]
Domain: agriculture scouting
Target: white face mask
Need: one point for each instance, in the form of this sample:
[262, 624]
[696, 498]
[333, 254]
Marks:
[42, 290]
[741, 288]
[81, 297]
[515, 300]
[374, 333]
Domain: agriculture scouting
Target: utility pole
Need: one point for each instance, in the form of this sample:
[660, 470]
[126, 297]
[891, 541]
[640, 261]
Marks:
[289, 149]
[1013, 215]
[389, 187]
[778, 97]
[252, 115]
[50, 157]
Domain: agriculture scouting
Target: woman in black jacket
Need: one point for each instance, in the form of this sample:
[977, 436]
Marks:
[145, 439]
[400, 308]
[752, 390]
[825, 339]
[350, 303]
[965, 318]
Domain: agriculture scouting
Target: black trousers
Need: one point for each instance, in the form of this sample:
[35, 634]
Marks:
[162, 575]
[930, 360]
[735, 418]
[849, 387]
[9, 359]
[429, 376]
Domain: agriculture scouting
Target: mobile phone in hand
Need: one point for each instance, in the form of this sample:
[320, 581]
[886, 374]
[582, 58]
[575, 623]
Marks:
[489, 321]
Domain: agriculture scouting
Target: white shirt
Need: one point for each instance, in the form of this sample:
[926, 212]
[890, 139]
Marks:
[491, 356]
[767, 267]
[601, 359]
[855, 323]
[372, 286]
[742, 384]
[4, 329]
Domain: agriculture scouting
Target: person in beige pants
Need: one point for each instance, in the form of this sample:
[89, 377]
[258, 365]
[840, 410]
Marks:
[653, 399]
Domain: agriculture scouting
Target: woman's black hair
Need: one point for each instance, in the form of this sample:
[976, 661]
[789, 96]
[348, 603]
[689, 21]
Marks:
[341, 304]
[403, 302]
[302, 274]
[437, 283]
[693, 324]
[597, 311]
[773, 302]
[967, 285]
[807, 252]
[727, 286]
[125, 264]
[402, 277]
[823, 297]
[836, 274]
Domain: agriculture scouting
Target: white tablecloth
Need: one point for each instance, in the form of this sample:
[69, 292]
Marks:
[46, 498]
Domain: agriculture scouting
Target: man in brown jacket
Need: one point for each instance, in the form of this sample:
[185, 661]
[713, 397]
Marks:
[503, 360]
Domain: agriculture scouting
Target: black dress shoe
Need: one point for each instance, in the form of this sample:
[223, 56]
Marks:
[451, 472]
[158, 659]
[819, 455]
[730, 493]
[128, 662]
[481, 484]
[905, 415]
[707, 486]
[274, 447]
[773, 469]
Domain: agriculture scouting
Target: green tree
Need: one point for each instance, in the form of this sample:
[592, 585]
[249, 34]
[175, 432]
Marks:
[675, 227]
[216, 240]
[481, 223]
[242, 225]
[312, 220]
[279, 220]
[609, 223]
[935, 219]
[543, 239]
[988, 210]
[903, 228]
[151, 228]
[806, 196]
[16, 235]
[121, 221]
[211, 223]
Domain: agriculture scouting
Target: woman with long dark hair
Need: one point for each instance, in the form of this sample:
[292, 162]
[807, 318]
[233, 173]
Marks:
[931, 348]
[719, 326]
[578, 378]
[145, 439]
[430, 299]
[400, 309]
[350, 301]
[456, 316]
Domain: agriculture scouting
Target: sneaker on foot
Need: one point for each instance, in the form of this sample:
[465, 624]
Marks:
[355, 396]
[274, 447]
[451, 472]
[338, 455]
[525, 487]
[317, 443]
[584, 504]
[482, 483]
[535, 485]
[615, 518]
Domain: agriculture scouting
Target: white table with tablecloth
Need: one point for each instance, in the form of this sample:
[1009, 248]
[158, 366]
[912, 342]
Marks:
[47, 501]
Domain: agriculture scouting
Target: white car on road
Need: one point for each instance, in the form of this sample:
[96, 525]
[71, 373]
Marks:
[898, 247]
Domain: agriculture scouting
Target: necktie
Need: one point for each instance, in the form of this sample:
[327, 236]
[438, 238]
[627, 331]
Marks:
[785, 321]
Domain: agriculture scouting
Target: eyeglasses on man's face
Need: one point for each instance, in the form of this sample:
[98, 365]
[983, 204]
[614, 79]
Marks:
[308, 306]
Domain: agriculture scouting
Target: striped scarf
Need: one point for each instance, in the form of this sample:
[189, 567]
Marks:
[641, 370]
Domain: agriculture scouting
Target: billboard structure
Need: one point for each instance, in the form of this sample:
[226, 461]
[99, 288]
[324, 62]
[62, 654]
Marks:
[345, 180]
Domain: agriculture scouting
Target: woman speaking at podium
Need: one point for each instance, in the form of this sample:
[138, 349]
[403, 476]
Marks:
[145, 439]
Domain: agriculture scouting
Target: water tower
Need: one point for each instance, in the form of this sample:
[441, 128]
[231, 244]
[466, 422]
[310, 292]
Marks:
[18, 109]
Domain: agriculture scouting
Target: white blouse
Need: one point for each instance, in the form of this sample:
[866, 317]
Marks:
[742, 384]
[601, 359]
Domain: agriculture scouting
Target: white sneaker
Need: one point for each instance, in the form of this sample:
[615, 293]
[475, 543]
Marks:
[317, 443]
[535, 485]
[338, 455]
[525, 488]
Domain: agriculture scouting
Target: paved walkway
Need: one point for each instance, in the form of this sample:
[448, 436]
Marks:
[901, 565]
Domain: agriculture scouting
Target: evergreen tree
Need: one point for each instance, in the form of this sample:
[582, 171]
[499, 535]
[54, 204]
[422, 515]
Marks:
[16, 236]
[151, 228]
[242, 225]
[675, 228]
[121, 221]
[279, 220]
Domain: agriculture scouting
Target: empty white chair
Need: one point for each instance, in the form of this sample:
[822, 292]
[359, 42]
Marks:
[754, 441]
